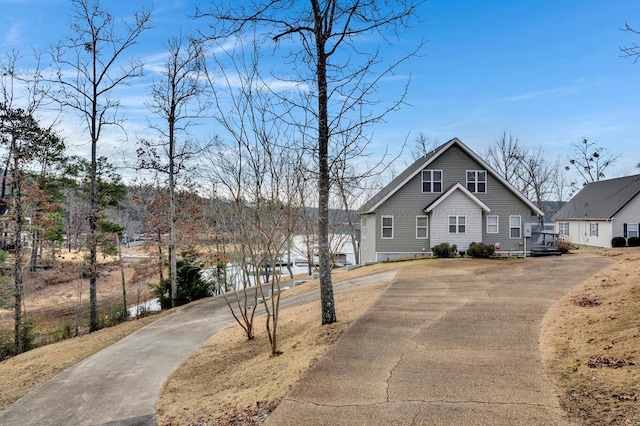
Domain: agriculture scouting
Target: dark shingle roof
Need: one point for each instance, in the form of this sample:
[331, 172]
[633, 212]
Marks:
[406, 174]
[601, 200]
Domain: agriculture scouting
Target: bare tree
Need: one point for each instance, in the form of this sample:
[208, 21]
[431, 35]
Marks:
[633, 50]
[321, 39]
[422, 146]
[177, 100]
[27, 143]
[590, 161]
[257, 173]
[505, 157]
[90, 65]
[561, 184]
[538, 175]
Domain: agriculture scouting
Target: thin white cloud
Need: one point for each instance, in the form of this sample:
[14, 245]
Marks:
[13, 35]
[549, 93]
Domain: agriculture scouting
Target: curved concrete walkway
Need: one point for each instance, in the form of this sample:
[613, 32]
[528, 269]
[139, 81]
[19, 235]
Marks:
[120, 385]
[451, 343]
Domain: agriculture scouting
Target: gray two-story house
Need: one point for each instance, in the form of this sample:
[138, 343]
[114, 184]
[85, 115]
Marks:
[449, 196]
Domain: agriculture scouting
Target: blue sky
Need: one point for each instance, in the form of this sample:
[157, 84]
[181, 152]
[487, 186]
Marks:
[548, 72]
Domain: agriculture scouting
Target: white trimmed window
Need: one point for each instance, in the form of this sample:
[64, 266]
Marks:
[432, 181]
[457, 224]
[515, 226]
[593, 229]
[563, 228]
[631, 230]
[492, 224]
[363, 228]
[477, 181]
[387, 227]
[422, 227]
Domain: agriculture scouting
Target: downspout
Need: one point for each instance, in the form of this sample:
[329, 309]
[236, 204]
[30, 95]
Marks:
[610, 232]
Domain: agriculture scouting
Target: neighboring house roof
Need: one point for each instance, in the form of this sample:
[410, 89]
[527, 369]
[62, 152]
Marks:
[601, 200]
[420, 164]
[457, 187]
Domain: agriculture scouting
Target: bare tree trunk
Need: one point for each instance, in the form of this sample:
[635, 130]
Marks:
[160, 258]
[173, 273]
[17, 267]
[326, 286]
[93, 219]
[125, 313]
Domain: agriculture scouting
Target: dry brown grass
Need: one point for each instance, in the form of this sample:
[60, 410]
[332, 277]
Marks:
[591, 344]
[230, 380]
[596, 323]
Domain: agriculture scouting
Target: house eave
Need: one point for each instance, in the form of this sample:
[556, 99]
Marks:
[454, 188]
[468, 151]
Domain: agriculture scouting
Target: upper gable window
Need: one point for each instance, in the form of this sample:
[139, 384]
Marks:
[432, 181]
[477, 181]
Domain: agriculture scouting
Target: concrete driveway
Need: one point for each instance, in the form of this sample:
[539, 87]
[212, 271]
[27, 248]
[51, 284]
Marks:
[120, 384]
[452, 343]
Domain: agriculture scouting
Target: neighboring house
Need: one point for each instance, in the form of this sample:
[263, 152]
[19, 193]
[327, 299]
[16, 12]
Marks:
[449, 196]
[600, 211]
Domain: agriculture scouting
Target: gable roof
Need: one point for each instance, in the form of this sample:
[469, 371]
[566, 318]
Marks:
[420, 164]
[457, 187]
[601, 200]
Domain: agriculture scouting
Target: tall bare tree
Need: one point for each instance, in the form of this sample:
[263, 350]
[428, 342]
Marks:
[538, 175]
[590, 161]
[422, 146]
[178, 100]
[320, 40]
[505, 157]
[26, 142]
[257, 172]
[632, 50]
[90, 65]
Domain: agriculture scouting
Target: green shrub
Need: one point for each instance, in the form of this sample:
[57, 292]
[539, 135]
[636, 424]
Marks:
[444, 250]
[61, 332]
[114, 317]
[618, 242]
[191, 285]
[7, 348]
[480, 250]
[28, 338]
[633, 242]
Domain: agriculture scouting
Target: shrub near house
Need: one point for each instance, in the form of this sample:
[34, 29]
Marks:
[481, 250]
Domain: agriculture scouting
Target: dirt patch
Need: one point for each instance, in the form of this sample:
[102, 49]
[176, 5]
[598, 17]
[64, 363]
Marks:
[53, 298]
[591, 344]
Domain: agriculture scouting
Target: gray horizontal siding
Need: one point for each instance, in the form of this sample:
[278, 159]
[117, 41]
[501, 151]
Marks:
[409, 201]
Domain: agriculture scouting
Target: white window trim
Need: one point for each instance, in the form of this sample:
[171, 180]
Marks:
[426, 228]
[457, 225]
[363, 228]
[382, 227]
[432, 181]
[497, 231]
[475, 172]
[560, 226]
[637, 231]
[513, 227]
[591, 229]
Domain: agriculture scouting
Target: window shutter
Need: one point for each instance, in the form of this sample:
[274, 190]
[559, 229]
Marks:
[624, 227]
